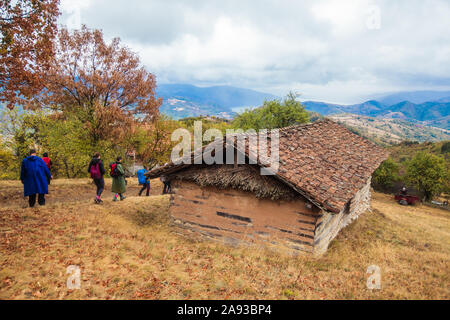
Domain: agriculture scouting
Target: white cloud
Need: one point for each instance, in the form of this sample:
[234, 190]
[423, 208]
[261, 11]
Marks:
[326, 49]
[346, 17]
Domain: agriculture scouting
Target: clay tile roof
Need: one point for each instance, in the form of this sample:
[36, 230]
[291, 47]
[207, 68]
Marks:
[323, 161]
[329, 162]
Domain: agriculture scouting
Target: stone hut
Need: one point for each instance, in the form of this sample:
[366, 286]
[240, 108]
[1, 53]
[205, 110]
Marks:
[322, 185]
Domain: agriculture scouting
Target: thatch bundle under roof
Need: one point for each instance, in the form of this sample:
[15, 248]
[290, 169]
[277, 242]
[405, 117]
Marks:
[245, 177]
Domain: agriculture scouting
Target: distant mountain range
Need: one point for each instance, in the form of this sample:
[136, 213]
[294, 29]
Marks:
[184, 100]
[416, 97]
[428, 113]
[430, 108]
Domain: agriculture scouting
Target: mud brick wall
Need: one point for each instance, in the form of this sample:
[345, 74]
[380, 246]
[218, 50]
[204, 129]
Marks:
[236, 217]
[329, 224]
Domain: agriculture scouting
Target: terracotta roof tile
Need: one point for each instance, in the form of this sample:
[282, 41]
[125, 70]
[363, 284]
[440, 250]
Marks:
[332, 160]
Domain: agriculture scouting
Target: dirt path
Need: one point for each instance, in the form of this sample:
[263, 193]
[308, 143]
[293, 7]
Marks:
[68, 191]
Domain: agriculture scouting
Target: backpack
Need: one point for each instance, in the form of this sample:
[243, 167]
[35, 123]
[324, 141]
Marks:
[95, 171]
[114, 172]
[48, 162]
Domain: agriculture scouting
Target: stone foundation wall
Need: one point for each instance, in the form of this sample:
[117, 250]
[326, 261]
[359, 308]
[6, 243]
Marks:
[329, 225]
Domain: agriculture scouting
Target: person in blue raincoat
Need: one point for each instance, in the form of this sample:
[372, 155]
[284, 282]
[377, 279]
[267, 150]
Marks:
[143, 181]
[34, 174]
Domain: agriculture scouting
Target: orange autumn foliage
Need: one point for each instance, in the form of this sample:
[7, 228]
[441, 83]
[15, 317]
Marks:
[103, 84]
[27, 31]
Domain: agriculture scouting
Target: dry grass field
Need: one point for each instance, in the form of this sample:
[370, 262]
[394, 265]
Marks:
[127, 250]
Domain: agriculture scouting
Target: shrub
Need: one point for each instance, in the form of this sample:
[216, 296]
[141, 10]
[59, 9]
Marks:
[428, 173]
[386, 175]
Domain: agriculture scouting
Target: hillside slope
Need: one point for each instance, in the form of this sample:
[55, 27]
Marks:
[391, 131]
[405, 151]
[126, 250]
[428, 113]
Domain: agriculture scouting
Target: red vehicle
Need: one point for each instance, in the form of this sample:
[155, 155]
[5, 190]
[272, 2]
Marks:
[406, 199]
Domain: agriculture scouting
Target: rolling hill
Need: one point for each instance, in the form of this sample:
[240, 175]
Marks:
[184, 100]
[428, 113]
[391, 131]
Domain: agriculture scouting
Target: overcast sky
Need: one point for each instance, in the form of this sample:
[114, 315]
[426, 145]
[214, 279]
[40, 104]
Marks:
[330, 50]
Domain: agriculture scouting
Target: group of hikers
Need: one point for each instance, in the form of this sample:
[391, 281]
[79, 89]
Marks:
[36, 176]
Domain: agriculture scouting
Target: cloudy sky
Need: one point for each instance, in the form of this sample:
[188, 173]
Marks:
[330, 50]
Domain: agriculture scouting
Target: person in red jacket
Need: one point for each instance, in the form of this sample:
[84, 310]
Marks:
[48, 162]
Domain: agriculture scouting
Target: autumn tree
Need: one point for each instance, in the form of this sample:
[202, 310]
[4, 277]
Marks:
[152, 141]
[27, 31]
[17, 136]
[66, 141]
[16, 139]
[8, 164]
[103, 84]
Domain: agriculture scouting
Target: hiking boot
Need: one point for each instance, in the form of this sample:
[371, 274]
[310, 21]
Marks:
[114, 199]
[123, 198]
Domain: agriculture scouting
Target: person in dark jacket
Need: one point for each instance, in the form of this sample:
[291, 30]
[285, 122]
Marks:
[34, 174]
[167, 185]
[143, 180]
[119, 184]
[97, 171]
[48, 162]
